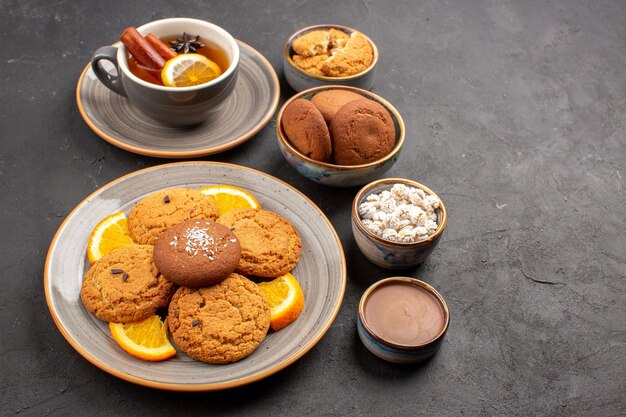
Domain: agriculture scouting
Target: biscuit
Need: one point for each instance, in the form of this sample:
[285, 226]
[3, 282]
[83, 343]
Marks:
[311, 43]
[355, 57]
[306, 130]
[197, 253]
[329, 101]
[125, 286]
[332, 53]
[222, 323]
[165, 208]
[337, 38]
[311, 64]
[270, 245]
[362, 131]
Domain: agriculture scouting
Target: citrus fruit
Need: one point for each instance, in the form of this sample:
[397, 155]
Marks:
[229, 197]
[186, 70]
[285, 298]
[145, 339]
[111, 233]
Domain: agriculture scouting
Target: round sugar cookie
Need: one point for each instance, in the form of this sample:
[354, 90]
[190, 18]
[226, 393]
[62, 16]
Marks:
[125, 286]
[270, 245]
[220, 324]
[330, 101]
[362, 132]
[306, 130]
[165, 208]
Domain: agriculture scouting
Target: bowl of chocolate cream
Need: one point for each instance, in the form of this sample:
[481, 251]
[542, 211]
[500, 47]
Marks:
[402, 320]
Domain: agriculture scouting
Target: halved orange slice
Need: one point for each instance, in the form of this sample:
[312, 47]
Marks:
[145, 339]
[229, 197]
[111, 233]
[286, 300]
[186, 70]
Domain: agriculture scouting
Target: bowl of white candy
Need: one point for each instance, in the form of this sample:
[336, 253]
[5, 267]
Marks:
[397, 222]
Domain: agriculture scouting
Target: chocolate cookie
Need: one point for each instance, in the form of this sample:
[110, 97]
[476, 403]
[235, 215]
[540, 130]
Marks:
[222, 323]
[125, 286]
[160, 210]
[362, 132]
[306, 130]
[270, 245]
[197, 253]
[330, 101]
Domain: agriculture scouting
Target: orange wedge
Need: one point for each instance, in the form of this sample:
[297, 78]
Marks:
[111, 233]
[145, 339]
[285, 298]
[186, 70]
[229, 197]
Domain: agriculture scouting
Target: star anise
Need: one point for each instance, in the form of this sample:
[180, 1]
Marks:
[186, 44]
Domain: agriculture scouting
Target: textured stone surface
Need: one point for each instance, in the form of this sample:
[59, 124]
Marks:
[515, 116]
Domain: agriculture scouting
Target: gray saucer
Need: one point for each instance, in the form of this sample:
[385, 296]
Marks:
[249, 108]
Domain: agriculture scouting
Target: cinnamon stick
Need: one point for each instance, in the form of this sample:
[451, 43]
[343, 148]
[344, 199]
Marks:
[141, 50]
[161, 47]
[152, 76]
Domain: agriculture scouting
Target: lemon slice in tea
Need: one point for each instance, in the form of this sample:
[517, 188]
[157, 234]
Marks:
[187, 70]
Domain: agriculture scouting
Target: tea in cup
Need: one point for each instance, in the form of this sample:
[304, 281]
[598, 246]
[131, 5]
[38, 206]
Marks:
[177, 71]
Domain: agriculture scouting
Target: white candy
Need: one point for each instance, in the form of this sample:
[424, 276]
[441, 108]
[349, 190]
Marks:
[402, 214]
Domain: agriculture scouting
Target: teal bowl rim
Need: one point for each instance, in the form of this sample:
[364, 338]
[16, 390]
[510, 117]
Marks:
[410, 281]
[442, 218]
[288, 50]
[400, 135]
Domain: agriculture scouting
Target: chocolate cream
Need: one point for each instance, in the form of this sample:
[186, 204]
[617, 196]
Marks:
[404, 314]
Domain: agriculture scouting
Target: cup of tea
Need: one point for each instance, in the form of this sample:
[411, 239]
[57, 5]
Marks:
[139, 76]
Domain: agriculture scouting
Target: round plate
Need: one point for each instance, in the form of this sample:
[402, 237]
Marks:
[248, 108]
[321, 272]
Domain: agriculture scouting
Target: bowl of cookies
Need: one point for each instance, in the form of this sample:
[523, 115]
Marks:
[339, 136]
[329, 55]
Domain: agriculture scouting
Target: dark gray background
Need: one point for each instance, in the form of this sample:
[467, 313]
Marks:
[515, 116]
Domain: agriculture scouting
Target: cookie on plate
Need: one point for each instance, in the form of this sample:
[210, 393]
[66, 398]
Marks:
[197, 253]
[270, 245]
[362, 132]
[306, 130]
[223, 323]
[330, 101]
[125, 286]
[165, 208]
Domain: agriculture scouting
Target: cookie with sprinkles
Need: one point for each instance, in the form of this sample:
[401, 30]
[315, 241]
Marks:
[197, 253]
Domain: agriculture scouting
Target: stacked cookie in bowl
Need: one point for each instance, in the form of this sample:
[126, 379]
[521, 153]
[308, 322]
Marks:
[339, 135]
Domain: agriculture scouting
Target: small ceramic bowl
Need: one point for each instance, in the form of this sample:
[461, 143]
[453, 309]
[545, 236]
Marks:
[333, 174]
[393, 352]
[386, 253]
[300, 80]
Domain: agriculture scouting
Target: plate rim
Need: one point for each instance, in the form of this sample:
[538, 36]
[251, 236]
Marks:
[203, 386]
[183, 154]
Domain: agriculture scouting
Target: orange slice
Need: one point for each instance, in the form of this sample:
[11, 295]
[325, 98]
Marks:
[186, 70]
[145, 339]
[229, 197]
[111, 233]
[286, 300]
